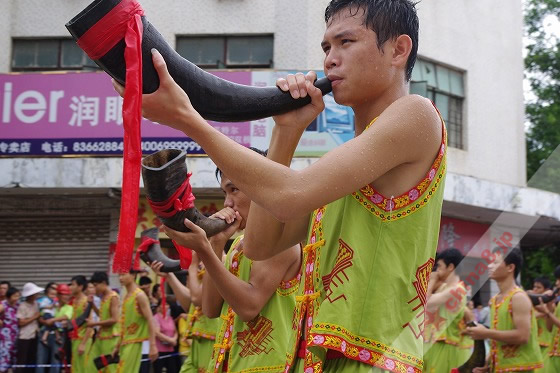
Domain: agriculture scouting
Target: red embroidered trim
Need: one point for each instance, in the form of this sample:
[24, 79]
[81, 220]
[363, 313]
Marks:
[229, 318]
[407, 198]
[365, 355]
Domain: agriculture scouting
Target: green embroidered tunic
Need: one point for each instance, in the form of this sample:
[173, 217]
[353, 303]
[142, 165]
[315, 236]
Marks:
[553, 353]
[365, 275]
[259, 345]
[134, 325]
[202, 331]
[508, 357]
[444, 344]
[108, 332]
[107, 337]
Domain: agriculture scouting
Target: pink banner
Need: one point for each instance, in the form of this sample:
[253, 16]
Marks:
[81, 112]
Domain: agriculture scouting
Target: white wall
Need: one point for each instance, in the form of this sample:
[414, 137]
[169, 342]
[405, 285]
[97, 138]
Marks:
[483, 40]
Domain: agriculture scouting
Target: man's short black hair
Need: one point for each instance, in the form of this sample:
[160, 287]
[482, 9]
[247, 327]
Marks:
[144, 280]
[261, 152]
[99, 277]
[6, 283]
[545, 282]
[514, 256]
[450, 256]
[387, 18]
[80, 280]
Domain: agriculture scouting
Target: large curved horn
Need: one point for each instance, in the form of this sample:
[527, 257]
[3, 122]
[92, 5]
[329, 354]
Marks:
[546, 298]
[478, 356]
[214, 98]
[154, 253]
[163, 173]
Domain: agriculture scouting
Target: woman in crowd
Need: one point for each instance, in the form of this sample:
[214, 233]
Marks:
[8, 328]
[166, 340]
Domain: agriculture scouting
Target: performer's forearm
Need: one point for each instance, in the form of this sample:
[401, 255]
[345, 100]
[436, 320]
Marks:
[236, 292]
[212, 300]
[181, 292]
[264, 233]
[195, 286]
[514, 336]
[552, 320]
[106, 323]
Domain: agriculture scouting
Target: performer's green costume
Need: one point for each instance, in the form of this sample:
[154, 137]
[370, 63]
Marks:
[202, 331]
[259, 345]
[134, 331]
[507, 357]
[442, 349]
[79, 360]
[365, 275]
[107, 337]
[552, 358]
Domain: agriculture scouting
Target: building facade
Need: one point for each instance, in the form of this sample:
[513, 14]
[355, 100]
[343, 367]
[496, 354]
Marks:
[59, 211]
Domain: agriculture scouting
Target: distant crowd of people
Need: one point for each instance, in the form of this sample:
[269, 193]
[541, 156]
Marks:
[66, 326]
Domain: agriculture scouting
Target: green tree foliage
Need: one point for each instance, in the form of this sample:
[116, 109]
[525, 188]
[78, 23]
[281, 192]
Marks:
[541, 262]
[543, 71]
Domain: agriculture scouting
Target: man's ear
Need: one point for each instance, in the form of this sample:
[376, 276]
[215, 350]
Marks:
[401, 50]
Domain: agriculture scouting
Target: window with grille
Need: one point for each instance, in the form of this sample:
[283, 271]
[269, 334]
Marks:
[445, 87]
[227, 51]
[48, 54]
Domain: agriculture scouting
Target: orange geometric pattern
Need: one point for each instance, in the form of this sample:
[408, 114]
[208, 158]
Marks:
[421, 286]
[254, 340]
[343, 262]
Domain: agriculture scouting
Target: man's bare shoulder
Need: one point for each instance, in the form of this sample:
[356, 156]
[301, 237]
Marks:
[521, 301]
[417, 111]
[141, 297]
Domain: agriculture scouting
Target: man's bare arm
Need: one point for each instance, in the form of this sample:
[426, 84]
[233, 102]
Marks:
[212, 300]
[114, 315]
[144, 305]
[181, 292]
[265, 235]
[193, 284]
[248, 298]
[340, 172]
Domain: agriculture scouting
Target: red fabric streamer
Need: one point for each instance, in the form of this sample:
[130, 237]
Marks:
[185, 255]
[181, 200]
[104, 360]
[163, 300]
[142, 248]
[124, 21]
[73, 334]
